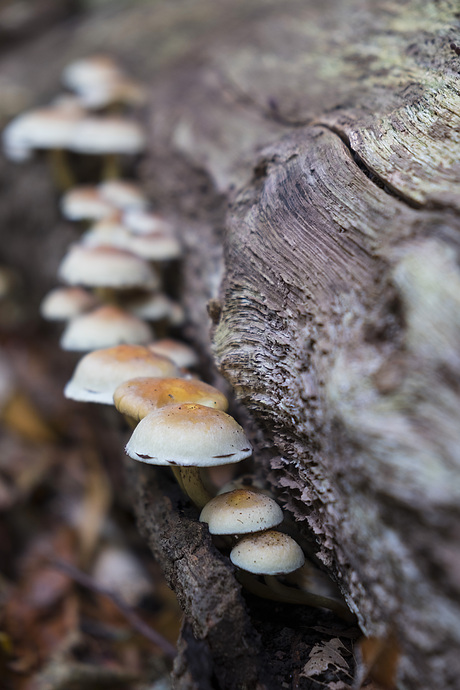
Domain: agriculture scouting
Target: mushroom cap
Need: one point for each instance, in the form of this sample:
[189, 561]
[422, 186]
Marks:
[267, 553]
[106, 267]
[85, 203]
[138, 397]
[240, 512]
[100, 135]
[123, 194]
[180, 353]
[152, 307]
[64, 303]
[190, 435]
[42, 128]
[106, 326]
[100, 372]
[142, 222]
[153, 247]
[88, 72]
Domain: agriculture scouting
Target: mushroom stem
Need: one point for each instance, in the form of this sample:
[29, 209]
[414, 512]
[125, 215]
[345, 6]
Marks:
[61, 173]
[112, 167]
[275, 591]
[178, 476]
[193, 486]
[294, 596]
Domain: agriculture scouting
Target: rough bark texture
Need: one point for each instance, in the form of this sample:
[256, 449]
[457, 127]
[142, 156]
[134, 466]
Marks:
[310, 153]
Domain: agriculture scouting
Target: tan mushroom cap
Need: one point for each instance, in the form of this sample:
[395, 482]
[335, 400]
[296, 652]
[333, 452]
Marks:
[189, 435]
[154, 247]
[138, 397]
[240, 512]
[267, 553]
[64, 303]
[180, 353]
[123, 194]
[106, 326]
[151, 307]
[85, 203]
[99, 373]
[91, 71]
[142, 222]
[101, 135]
[42, 128]
[106, 267]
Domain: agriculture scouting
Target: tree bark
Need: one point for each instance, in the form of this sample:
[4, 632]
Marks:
[309, 153]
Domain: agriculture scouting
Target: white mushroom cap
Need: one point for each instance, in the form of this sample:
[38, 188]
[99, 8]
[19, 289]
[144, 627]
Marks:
[240, 512]
[43, 128]
[138, 397]
[99, 373]
[101, 135]
[123, 194]
[89, 72]
[267, 553]
[190, 435]
[180, 353]
[150, 247]
[65, 303]
[153, 307]
[142, 222]
[85, 203]
[106, 267]
[99, 81]
[106, 326]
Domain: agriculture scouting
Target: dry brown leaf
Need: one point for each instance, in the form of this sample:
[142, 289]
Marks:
[380, 658]
[324, 655]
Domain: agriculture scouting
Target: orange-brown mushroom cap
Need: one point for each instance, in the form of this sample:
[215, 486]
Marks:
[138, 397]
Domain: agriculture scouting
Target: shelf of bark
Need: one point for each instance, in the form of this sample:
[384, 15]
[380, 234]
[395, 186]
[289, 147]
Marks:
[310, 152]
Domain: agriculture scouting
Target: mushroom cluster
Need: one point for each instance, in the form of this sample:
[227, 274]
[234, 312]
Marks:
[112, 300]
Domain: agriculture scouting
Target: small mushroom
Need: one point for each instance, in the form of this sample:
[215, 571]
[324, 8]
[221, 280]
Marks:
[274, 553]
[241, 512]
[180, 353]
[106, 326]
[138, 397]
[100, 372]
[106, 267]
[64, 303]
[86, 203]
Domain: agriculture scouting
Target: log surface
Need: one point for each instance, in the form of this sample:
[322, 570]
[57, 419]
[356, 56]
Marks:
[309, 152]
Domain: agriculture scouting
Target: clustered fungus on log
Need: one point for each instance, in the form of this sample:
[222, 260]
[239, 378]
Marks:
[113, 278]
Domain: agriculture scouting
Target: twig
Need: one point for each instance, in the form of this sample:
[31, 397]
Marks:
[131, 616]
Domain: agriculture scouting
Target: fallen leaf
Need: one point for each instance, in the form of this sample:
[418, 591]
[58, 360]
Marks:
[324, 655]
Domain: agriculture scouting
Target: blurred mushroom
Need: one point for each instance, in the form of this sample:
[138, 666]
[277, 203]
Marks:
[106, 326]
[64, 303]
[100, 372]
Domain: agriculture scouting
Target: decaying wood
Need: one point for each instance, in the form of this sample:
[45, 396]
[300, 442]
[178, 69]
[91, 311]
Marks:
[310, 154]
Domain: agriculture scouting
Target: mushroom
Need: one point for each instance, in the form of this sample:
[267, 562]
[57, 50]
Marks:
[138, 397]
[142, 222]
[123, 194]
[86, 203]
[50, 129]
[272, 553]
[106, 267]
[100, 82]
[106, 326]
[100, 372]
[153, 247]
[180, 353]
[154, 307]
[190, 436]
[64, 303]
[241, 512]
